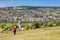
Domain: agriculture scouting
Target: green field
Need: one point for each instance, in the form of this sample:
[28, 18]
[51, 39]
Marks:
[49, 33]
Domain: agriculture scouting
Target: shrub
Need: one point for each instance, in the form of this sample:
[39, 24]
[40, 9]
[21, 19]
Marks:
[26, 27]
[57, 23]
[41, 23]
[5, 29]
[44, 24]
[2, 25]
[50, 23]
[36, 25]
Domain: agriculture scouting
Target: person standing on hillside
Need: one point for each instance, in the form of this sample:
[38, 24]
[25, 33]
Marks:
[15, 29]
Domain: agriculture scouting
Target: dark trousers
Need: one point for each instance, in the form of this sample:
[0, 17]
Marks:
[14, 32]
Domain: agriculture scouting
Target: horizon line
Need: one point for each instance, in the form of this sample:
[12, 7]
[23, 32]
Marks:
[29, 5]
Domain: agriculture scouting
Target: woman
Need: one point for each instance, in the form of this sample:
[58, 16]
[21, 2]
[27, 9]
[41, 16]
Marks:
[14, 30]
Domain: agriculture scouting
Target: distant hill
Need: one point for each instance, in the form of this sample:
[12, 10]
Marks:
[28, 7]
[29, 11]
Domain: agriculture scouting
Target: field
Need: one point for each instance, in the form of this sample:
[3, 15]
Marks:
[49, 33]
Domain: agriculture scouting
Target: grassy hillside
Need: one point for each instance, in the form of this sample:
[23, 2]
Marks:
[50, 33]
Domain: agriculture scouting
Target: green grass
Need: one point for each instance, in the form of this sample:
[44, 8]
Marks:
[50, 33]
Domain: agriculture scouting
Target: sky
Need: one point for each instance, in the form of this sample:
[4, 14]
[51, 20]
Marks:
[10, 3]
